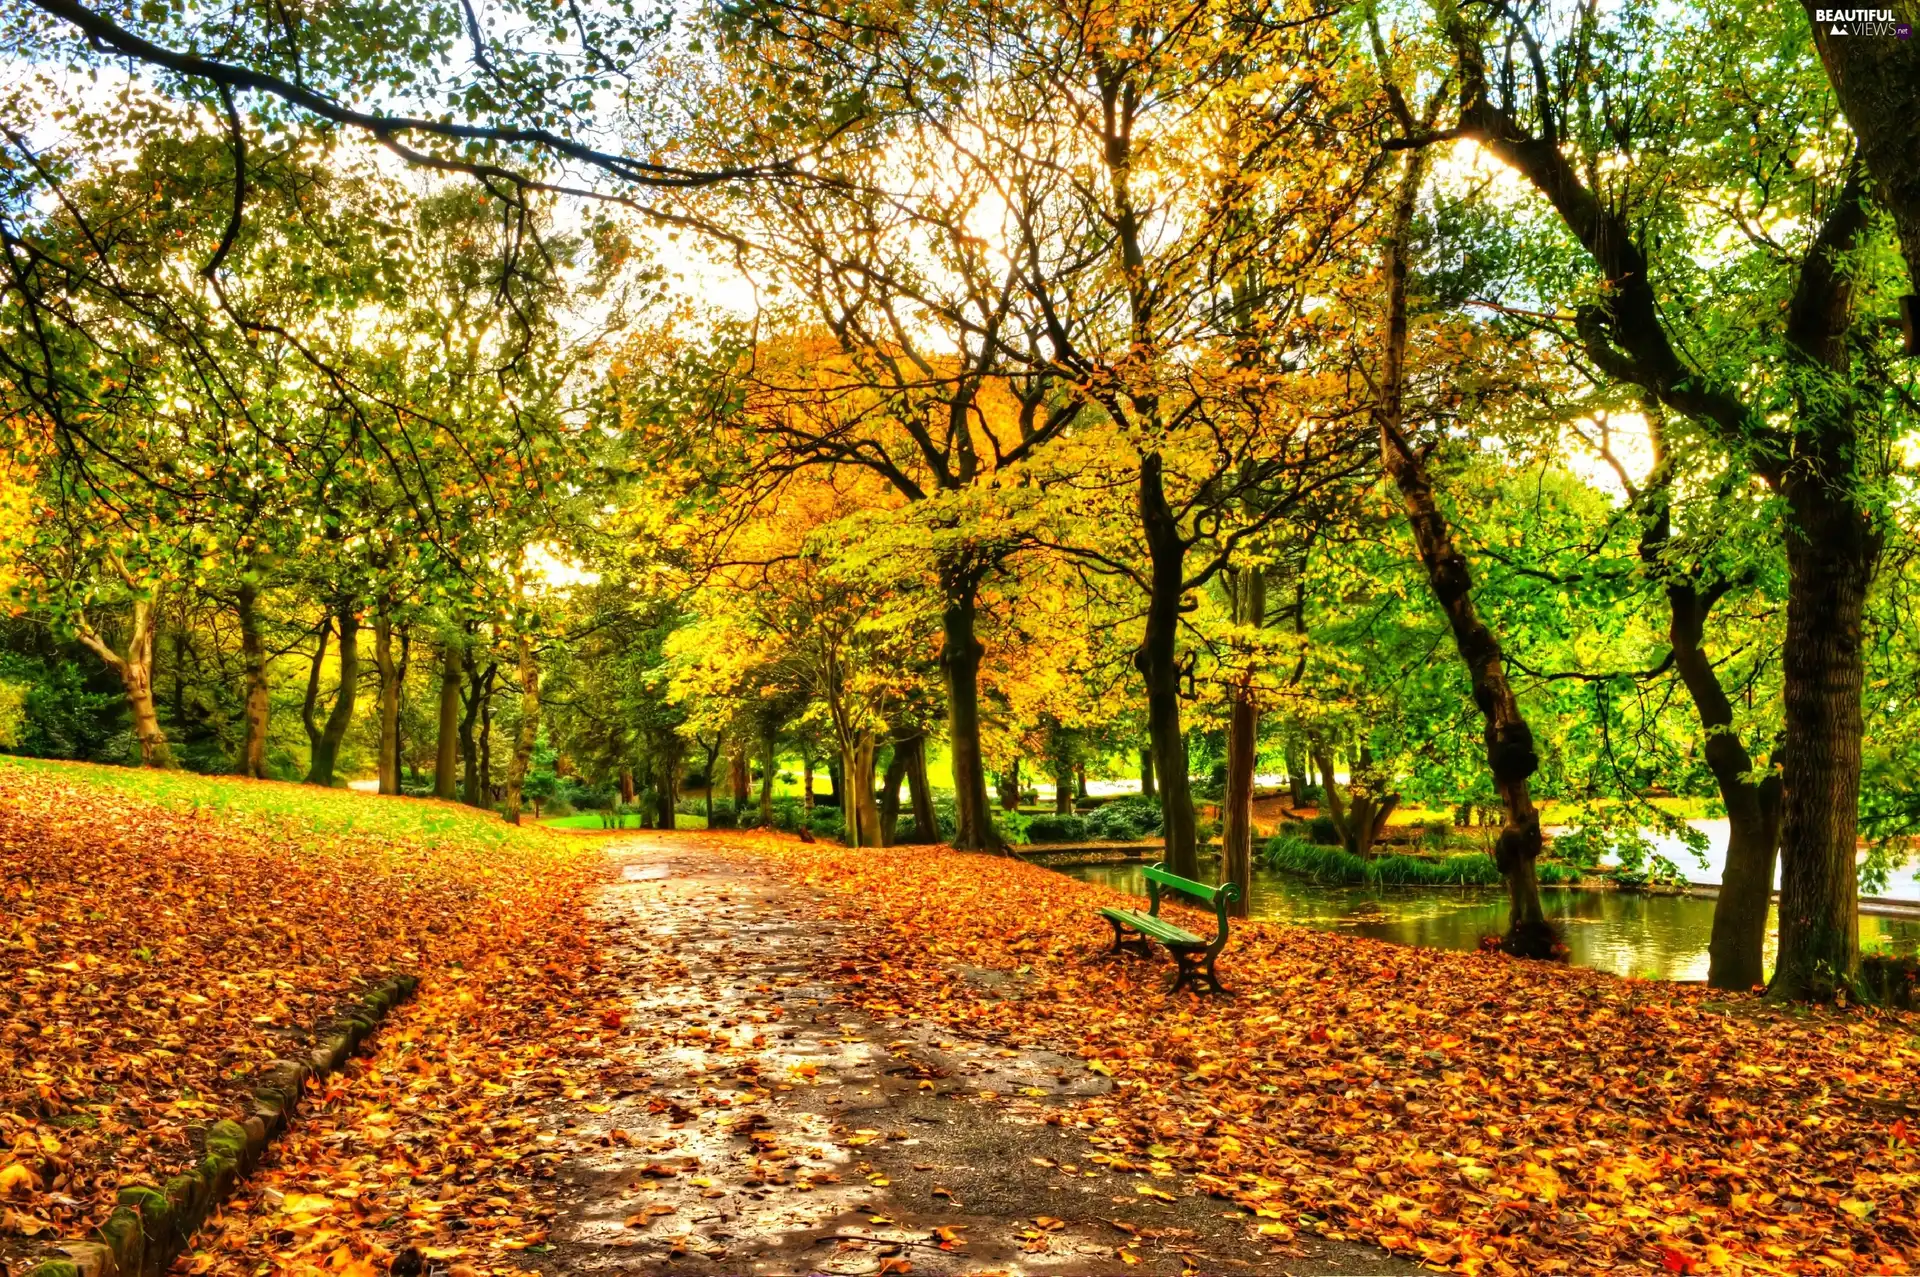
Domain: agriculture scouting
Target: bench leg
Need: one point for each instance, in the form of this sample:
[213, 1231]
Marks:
[1195, 967]
[1121, 944]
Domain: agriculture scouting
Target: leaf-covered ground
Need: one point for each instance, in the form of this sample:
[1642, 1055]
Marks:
[1476, 1112]
[165, 936]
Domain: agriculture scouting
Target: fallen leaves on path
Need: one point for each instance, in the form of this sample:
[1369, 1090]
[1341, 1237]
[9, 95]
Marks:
[1471, 1111]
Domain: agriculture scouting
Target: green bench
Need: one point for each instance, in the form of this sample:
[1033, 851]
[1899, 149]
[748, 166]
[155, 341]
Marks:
[1134, 931]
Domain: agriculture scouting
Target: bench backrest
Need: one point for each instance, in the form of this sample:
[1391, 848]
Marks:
[1215, 897]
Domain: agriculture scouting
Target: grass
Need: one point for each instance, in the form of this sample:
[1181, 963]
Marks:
[1336, 865]
[591, 820]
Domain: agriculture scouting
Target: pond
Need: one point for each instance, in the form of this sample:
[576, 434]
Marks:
[1627, 933]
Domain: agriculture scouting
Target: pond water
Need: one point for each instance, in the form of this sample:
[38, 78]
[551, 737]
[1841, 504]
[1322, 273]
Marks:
[1661, 937]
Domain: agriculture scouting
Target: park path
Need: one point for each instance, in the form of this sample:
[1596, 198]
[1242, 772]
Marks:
[767, 1126]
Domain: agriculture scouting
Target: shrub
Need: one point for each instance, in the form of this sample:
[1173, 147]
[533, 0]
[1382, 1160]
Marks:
[724, 817]
[1204, 830]
[1556, 872]
[827, 822]
[1014, 827]
[1321, 830]
[1436, 833]
[1057, 828]
[1289, 854]
[1125, 819]
[558, 807]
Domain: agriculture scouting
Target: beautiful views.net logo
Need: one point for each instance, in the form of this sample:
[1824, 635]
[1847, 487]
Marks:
[1862, 22]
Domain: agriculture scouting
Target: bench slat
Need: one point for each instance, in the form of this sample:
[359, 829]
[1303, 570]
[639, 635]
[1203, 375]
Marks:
[1160, 930]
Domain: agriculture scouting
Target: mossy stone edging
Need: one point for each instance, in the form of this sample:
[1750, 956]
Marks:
[151, 1227]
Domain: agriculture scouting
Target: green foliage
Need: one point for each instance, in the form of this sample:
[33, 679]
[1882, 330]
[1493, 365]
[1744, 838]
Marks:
[1125, 819]
[1014, 827]
[1321, 831]
[1053, 827]
[1288, 854]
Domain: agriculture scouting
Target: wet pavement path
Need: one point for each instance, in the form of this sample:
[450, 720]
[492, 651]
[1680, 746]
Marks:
[763, 1125]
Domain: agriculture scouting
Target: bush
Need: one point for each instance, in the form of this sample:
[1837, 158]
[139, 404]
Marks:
[558, 807]
[1289, 854]
[1321, 832]
[1205, 830]
[1125, 819]
[1057, 828]
[827, 822]
[1553, 873]
[1436, 833]
[724, 817]
[1013, 827]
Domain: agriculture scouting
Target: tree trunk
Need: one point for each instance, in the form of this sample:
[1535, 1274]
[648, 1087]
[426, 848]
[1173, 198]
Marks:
[1158, 663]
[1296, 778]
[890, 793]
[446, 751]
[960, 656]
[926, 822]
[1236, 838]
[479, 690]
[858, 810]
[626, 786]
[742, 776]
[529, 728]
[253, 660]
[326, 749]
[1877, 81]
[400, 705]
[1509, 741]
[1147, 789]
[766, 781]
[1010, 787]
[136, 673]
[135, 669]
[806, 782]
[1063, 790]
[389, 769]
[1832, 551]
[667, 792]
[486, 747]
[1080, 782]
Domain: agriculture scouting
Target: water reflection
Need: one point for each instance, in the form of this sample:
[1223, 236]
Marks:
[1661, 937]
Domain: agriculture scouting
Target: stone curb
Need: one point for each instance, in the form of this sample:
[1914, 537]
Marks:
[152, 1227]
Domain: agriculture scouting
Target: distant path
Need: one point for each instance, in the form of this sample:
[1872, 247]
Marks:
[775, 1129]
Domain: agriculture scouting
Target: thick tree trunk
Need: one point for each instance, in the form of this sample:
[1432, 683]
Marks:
[1063, 790]
[1509, 741]
[326, 748]
[741, 775]
[1236, 838]
[960, 667]
[253, 660]
[1158, 662]
[890, 794]
[1080, 782]
[446, 745]
[1832, 551]
[1147, 789]
[529, 728]
[858, 809]
[389, 671]
[626, 786]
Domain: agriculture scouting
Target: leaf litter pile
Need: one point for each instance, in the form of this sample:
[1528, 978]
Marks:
[1470, 1111]
[167, 936]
